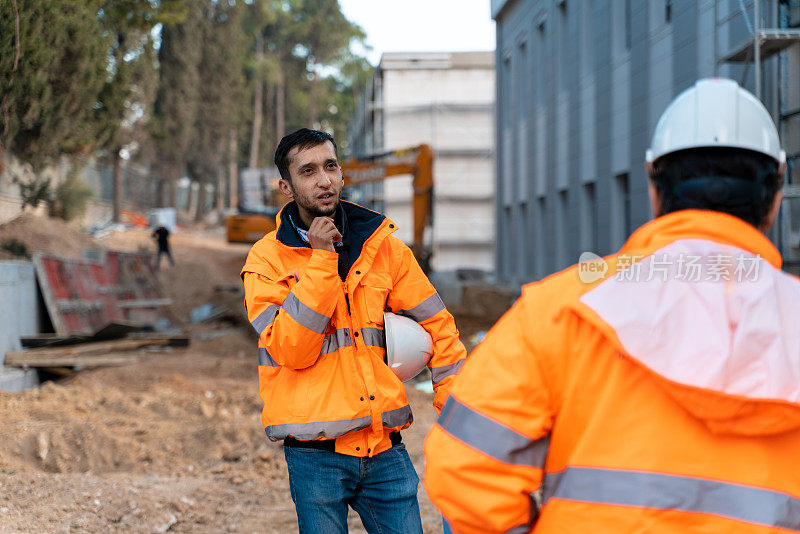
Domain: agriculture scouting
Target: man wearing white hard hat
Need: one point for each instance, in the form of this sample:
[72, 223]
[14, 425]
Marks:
[654, 390]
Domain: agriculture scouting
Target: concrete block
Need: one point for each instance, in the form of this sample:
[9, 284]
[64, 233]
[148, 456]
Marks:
[16, 379]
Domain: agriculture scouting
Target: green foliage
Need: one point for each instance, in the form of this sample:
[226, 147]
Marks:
[33, 191]
[128, 91]
[82, 77]
[50, 77]
[179, 84]
[70, 198]
[221, 84]
[309, 60]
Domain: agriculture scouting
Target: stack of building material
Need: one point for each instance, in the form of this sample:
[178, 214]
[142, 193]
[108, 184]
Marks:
[82, 302]
[92, 354]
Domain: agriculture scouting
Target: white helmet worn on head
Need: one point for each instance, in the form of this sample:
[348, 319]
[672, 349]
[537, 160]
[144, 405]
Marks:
[716, 112]
[408, 346]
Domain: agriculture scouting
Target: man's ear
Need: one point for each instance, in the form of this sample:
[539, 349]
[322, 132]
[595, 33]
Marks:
[286, 189]
[772, 214]
[655, 198]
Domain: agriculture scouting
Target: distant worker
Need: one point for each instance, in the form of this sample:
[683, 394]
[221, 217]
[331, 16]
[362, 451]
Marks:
[161, 235]
[316, 290]
[655, 390]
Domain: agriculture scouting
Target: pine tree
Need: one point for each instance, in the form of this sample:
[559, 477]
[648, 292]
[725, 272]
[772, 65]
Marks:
[53, 58]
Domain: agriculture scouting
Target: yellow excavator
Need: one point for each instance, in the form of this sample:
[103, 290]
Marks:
[259, 204]
[416, 161]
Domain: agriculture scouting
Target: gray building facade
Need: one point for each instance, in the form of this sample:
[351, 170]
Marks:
[580, 87]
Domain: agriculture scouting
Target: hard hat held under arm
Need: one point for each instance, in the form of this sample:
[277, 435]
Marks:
[408, 346]
[292, 323]
[485, 456]
[413, 296]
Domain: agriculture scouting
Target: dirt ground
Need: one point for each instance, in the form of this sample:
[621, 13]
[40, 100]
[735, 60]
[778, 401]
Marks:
[172, 443]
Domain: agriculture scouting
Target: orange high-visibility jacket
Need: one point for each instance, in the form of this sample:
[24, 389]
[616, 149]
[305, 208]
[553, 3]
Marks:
[321, 345]
[664, 397]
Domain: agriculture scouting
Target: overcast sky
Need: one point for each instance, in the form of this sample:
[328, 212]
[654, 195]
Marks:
[422, 25]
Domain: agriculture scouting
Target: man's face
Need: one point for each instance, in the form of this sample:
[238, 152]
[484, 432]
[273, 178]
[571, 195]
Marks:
[316, 181]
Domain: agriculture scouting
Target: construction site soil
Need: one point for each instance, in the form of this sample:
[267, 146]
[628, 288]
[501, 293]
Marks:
[172, 443]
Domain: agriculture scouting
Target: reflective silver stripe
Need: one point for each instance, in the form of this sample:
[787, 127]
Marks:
[373, 337]
[672, 492]
[332, 342]
[265, 359]
[490, 437]
[320, 429]
[265, 318]
[425, 309]
[440, 373]
[521, 529]
[304, 315]
[397, 417]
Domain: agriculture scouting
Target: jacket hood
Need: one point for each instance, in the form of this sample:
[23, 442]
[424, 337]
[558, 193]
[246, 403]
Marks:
[715, 322]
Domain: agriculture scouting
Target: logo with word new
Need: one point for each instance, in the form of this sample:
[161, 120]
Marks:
[591, 268]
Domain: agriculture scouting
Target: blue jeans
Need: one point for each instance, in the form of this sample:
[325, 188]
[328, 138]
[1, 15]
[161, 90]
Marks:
[382, 489]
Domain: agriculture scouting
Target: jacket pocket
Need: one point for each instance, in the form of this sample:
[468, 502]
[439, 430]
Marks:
[375, 289]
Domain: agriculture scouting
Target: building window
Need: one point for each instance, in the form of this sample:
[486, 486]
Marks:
[668, 11]
[562, 224]
[510, 242]
[627, 25]
[588, 219]
[507, 150]
[523, 152]
[540, 261]
[526, 252]
[620, 210]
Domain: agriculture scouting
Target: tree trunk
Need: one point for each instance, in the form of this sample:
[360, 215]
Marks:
[222, 177]
[280, 107]
[313, 115]
[258, 98]
[233, 170]
[201, 202]
[116, 204]
[173, 175]
[161, 193]
[269, 114]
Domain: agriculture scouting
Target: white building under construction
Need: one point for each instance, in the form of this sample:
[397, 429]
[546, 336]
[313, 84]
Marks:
[445, 100]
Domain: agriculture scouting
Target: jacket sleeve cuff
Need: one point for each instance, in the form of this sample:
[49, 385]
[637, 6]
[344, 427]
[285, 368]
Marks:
[322, 257]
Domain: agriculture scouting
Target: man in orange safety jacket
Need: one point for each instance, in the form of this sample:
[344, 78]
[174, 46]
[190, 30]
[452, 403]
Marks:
[654, 390]
[316, 290]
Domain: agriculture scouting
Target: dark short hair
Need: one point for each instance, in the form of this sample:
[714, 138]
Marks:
[302, 138]
[736, 181]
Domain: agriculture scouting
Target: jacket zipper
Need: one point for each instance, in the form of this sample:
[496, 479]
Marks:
[358, 365]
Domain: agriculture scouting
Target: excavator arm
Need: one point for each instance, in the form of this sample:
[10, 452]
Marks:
[416, 161]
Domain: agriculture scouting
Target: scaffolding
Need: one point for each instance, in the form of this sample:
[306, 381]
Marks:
[763, 43]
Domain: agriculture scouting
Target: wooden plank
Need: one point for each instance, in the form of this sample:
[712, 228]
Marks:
[174, 340]
[22, 359]
[151, 303]
[99, 347]
[41, 340]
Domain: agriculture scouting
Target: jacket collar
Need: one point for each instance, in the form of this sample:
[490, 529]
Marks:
[702, 224]
[360, 224]
[294, 232]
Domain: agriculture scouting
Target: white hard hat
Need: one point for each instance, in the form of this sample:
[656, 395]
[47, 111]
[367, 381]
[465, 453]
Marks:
[716, 112]
[408, 346]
